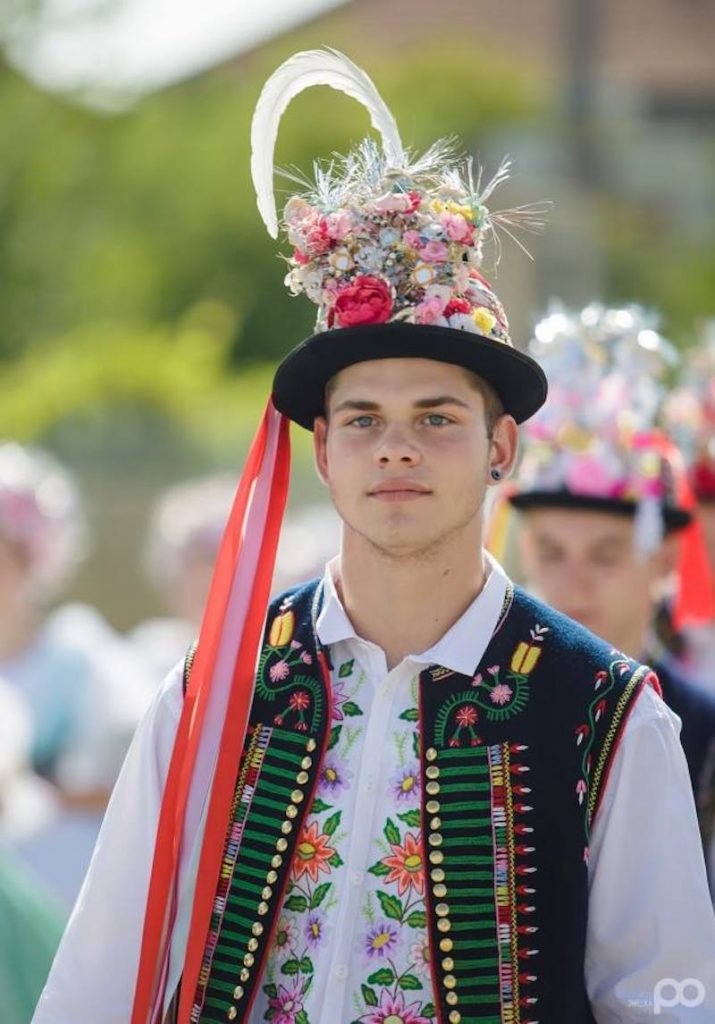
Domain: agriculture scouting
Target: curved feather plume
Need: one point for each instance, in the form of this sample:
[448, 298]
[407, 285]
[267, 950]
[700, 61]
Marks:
[311, 67]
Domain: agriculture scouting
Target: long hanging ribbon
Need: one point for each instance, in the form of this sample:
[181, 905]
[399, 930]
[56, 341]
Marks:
[220, 679]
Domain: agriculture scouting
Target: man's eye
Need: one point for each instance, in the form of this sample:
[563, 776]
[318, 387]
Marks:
[436, 419]
[362, 421]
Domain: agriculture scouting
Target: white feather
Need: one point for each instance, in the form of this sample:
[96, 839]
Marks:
[311, 67]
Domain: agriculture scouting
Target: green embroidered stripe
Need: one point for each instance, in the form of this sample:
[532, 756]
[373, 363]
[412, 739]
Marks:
[475, 944]
[254, 855]
[224, 965]
[278, 772]
[282, 791]
[473, 758]
[471, 890]
[254, 872]
[261, 837]
[238, 901]
[476, 999]
[224, 986]
[218, 1004]
[259, 800]
[473, 841]
[458, 787]
[487, 961]
[457, 771]
[467, 808]
[473, 925]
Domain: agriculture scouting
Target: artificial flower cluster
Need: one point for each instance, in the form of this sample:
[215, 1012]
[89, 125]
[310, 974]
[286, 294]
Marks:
[597, 434]
[690, 414]
[400, 248]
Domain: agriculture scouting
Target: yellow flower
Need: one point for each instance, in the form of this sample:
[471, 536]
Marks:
[525, 658]
[466, 211]
[483, 319]
[282, 628]
[437, 206]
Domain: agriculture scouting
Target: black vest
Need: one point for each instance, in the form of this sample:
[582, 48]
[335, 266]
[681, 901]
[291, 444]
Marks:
[514, 760]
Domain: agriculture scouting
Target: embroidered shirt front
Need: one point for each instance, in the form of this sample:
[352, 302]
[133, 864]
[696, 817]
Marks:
[351, 939]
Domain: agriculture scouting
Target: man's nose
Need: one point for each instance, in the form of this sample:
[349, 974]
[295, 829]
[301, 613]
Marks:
[397, 447]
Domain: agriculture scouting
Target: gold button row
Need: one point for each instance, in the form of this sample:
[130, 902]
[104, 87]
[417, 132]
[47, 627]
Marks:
[257, 928]
[435, 839]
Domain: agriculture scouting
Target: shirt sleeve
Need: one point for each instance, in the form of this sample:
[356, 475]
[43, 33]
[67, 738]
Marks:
[93, 975]
[650, 946]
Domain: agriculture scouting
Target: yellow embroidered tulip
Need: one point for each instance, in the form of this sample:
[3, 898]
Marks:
[525, 658]
[282, 629]
[483, 319]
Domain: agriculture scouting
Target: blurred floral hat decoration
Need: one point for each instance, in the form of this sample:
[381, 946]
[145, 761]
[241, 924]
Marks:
[690, 414]
[596, 442]
[389, 247]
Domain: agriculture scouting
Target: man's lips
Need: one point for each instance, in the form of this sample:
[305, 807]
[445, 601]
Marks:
[398, 490]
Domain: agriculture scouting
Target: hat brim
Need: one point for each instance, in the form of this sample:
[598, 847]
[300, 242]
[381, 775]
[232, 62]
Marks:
[673, 518]
[300, 380]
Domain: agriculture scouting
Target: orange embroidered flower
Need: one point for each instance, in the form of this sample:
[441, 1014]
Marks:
[312, 854]
[406, 864]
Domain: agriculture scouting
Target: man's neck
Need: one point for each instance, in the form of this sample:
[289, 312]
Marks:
[18, 628]
[406, 605]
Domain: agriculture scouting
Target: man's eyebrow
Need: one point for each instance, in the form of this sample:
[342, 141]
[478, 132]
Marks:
[363, 405]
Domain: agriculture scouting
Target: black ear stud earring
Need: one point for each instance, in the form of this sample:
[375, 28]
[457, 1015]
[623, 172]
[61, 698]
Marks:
[496, 474]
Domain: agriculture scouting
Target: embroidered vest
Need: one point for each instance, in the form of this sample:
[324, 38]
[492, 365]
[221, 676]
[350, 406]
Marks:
[513, 762]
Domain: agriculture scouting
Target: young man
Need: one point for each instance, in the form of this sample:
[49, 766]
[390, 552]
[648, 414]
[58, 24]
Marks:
[583, 492]
[432, 818]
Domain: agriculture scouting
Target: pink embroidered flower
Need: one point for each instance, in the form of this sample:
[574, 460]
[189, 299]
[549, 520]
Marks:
[339, 698]
[419, 954]
[367, 300]
[434, 252]
[307, 658]
[478, 679]
[287, 1004]
[458, 228]
[501, 694]
[279, 671]
[380, 940]
[286, 934]
[299, 700]
[493, 670]
[393, 1010]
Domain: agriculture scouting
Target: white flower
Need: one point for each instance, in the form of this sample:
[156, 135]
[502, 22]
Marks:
[463, 322]
[388, 236]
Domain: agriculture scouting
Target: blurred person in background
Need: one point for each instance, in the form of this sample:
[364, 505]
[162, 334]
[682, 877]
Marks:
[31, 920]
[186, 527]
[367, 800]
[603, 524]
[690, 416]
[84, 686]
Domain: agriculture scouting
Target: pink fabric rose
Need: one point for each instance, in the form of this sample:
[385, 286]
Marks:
[411, 238]
[395, 202]
[367, 300]
[434, 252]
[458, 228]
[339, 225]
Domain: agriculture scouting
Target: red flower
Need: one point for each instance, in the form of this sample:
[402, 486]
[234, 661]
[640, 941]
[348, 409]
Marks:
[312, 854]
[366, 301]
[406, 865]
[299, 700]
[457, 306]
[467, 716]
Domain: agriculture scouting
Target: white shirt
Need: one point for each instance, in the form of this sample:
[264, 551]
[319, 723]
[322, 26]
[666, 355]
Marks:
[650, 916]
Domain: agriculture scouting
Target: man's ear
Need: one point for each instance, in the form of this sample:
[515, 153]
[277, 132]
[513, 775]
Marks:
[320, 436]
[504, 447]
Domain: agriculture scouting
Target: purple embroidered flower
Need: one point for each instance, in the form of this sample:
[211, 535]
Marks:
[287, 1004]
[501, 694]
[406, 784]
[380, 940]
[315, 930]
[279, 671]
[333, 777]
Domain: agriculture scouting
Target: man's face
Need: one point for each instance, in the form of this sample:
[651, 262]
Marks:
[585, 564]
[405, 452]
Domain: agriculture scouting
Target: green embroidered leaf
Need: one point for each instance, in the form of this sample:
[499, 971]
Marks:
[391, 906]
[306, 965]
[271, 991]
[290, 967]
[392, 833]
[417, 919]
[336, 861]
[332, 823]
[416, 744]
[334, 736]
[319, 895]
[369, 995]
[379, 869]
[382, 977]
[346, 669]
[297, 903]
[428, 1010]
[351, 708]
[411, 715]
[302, 1017]
[409, 981]
[319, 806]
[411, 818]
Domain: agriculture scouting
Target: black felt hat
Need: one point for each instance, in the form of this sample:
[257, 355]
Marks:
[673, 518]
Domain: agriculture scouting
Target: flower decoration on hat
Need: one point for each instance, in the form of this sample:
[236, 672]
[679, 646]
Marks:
[380, 236]
[690, 414]
[596, 443]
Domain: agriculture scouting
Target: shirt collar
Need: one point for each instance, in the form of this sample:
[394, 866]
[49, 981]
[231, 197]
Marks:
[462, 646]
